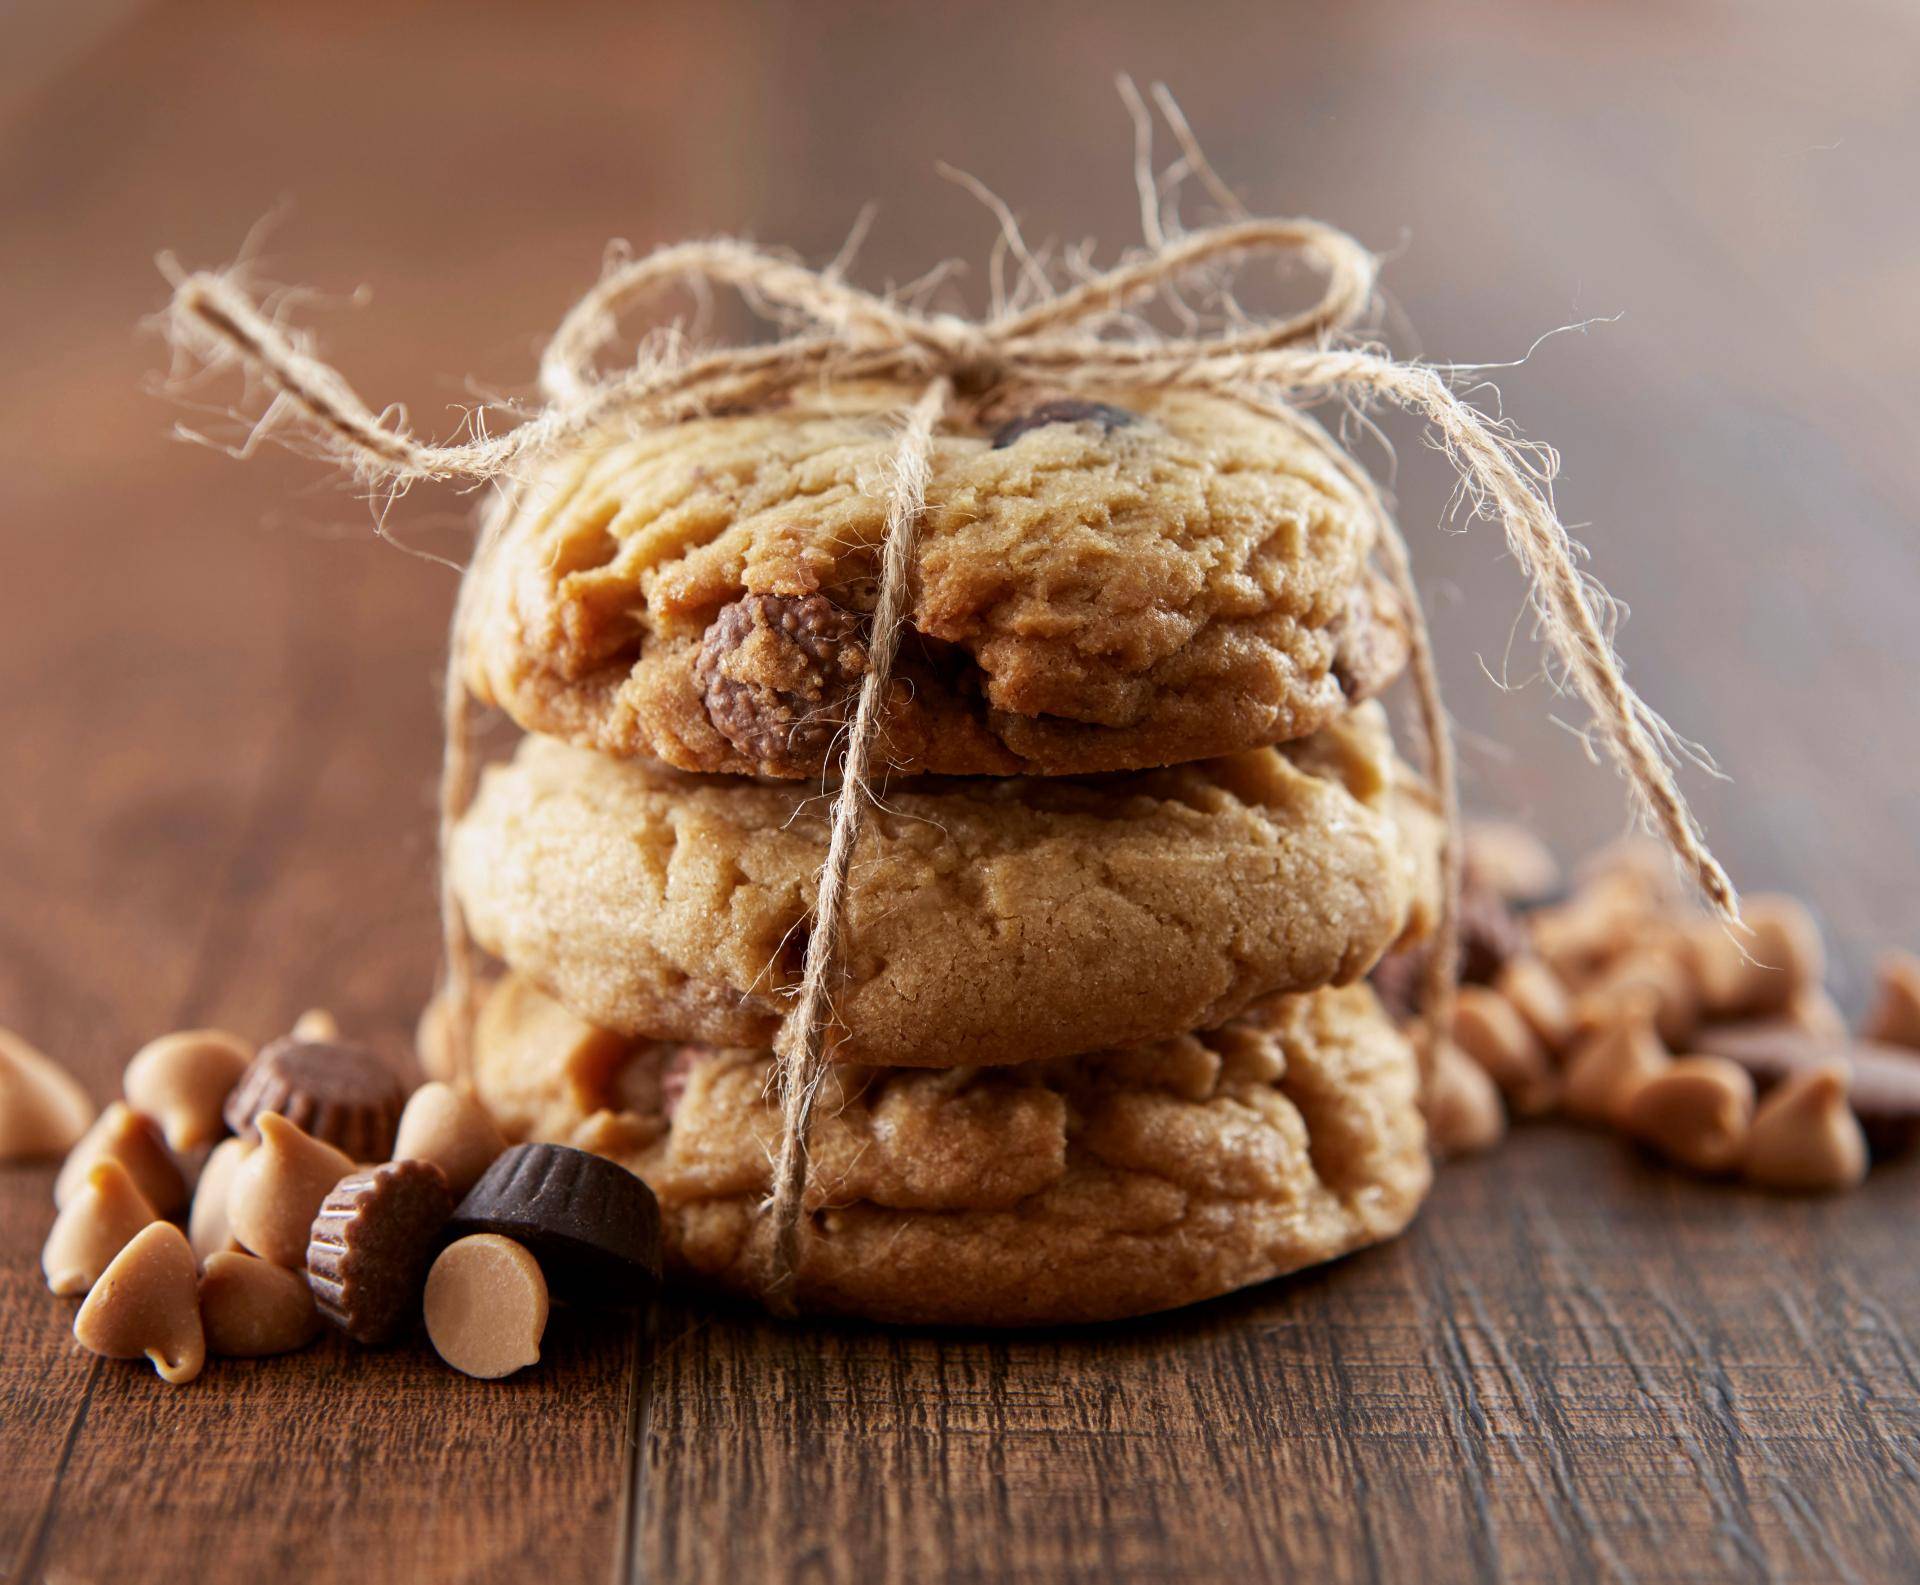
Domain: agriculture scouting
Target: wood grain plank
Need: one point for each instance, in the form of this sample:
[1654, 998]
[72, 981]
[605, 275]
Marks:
[337, 1463]
[47, 1385]
[1557, 1375]
[345, 1464]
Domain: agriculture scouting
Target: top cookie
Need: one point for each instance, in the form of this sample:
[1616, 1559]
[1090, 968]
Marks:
[1099, 586]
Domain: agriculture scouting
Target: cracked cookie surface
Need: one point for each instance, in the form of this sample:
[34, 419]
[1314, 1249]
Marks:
[1080, 1189]
[990, 921]
[1097, 587]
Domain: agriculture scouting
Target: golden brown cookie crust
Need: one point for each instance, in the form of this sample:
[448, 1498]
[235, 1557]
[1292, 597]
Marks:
[1091, 594]
[1083, 1189]
[989, 921]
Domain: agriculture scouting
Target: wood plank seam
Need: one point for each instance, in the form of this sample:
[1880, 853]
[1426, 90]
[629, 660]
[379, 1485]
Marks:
[628, 1565]
[1555, 1488]
[34, 1551]
[1470, 1439]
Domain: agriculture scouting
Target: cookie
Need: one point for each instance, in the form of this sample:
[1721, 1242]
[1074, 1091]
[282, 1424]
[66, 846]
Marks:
[990, 921]
[1082, 1189]
[1097, 587]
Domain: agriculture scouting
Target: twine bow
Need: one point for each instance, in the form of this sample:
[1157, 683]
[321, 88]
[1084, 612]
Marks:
[852, 335]
[1086, 338]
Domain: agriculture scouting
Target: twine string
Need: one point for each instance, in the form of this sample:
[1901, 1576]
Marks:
[1086, 339]
[459, 775]
[1440, 964]
[804, 1034]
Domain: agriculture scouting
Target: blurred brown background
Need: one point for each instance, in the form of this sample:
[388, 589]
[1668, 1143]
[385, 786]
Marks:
[217, 690]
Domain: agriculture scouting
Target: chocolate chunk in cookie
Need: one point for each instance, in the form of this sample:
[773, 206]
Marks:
[1068, 410]
[777, 672]
[674, 1072]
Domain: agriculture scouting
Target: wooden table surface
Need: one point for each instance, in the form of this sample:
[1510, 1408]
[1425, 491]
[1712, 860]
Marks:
[217, 716]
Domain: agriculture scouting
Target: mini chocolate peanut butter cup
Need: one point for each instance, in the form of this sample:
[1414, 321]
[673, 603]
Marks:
[333, 1090]
[372, 1244]
[593, 1226]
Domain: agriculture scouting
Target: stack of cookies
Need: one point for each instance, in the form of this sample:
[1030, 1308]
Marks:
[1103, 1044]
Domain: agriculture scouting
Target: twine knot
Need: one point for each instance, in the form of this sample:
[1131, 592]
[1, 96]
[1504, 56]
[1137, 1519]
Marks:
[968, 353]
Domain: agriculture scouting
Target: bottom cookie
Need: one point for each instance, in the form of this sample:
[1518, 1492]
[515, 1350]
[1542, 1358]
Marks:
[1079, 1189]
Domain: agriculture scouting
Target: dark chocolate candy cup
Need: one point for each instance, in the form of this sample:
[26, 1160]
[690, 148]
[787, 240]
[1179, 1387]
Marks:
[593, 1226]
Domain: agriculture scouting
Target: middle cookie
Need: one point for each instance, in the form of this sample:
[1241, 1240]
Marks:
[990, 921]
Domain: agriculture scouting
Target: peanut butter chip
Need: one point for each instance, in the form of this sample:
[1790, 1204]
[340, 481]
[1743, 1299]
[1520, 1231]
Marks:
[486, 1305]
[1510, 861]
[208, 1229]
[1638, 867]
[1722, 974]
[315, 1024]
[1594, 1011]
[1609, 1068]
[182, 1081]
[1779, 959]
[43, 1109]
[132, 1139]
[251, 1308]
[95, 1225]
[1538, 996]
[1656, 979]
[450, 1129]
[1464, 1111]
[278, 1189]
[1884, 1081]
[1696, 1113]
[1895, 1018]
[433, 1039]
[1578, 936]
[1805, 1136]
[147, 1302]
[1490, 1030]
[1814, 1011]
[1786, 946]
